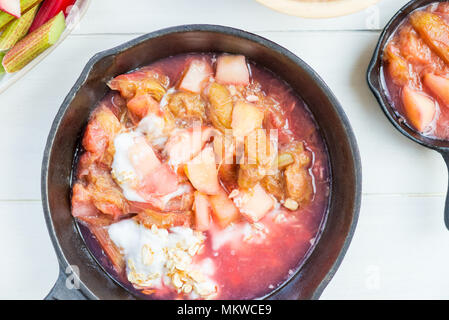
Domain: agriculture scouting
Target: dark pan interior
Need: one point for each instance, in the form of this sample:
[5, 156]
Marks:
[375, 78]
[72, 117]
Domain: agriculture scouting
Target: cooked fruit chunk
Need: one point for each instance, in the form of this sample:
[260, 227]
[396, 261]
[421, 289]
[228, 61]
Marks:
[397, 66]
[232, 70]
[255, 203]
[187, 106]
[413, 48]
[141, 105]
[202, 172]
[102, 235]
[185, 144]
[82, 205]
[34, 44]
[249, 175]
[438, 85]
[274, 184]
[196, 75]
[100, 133]
[298, 181]
[220, 106]
[11, 6]
[419, 108]
[246, 117]
[143, 81]
[223, 209]
[284, 160]
[156, 179]
[202, 209]
[164, 219]
[434, 31]
[106, 195]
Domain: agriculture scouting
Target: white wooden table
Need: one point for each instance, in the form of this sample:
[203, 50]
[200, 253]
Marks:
[400, 249]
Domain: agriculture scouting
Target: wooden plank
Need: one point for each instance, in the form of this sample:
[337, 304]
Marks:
[29, 264]
[111, 16]
[399, 251]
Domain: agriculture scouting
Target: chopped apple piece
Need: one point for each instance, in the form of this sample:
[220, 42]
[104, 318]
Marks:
[438, 85]
[195, 76]
[232, 70]
[202, 172]
[254, 204]
[11, 6]
[419, 108]
[34, 44]
[246, 117]
[223, 209]
[202, 210]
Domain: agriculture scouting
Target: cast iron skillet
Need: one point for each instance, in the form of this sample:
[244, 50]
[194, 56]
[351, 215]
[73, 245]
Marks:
[344, 205]
[375, 82]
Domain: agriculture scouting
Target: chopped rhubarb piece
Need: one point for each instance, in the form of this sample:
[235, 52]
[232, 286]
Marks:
[254, 204]
[202, 210]
[232, 70]
[202, 172]
[82, 205]
[5, 18]
[397, 65]
[438, 85]
[246, 117]
[434, 31]
[223, 209]
[111, 250]
[34, 44]
[164, 220]
[17, 29]
[141, 105]
[220, 106]
[195, 76]
[419, 108]
[2, 70]
[11, 6]
[49, 9]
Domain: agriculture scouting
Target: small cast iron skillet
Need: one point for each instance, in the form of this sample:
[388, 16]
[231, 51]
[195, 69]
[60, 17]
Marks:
[375, 82]
[344, 203]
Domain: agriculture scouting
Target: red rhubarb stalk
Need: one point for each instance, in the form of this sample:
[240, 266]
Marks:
[48, 10]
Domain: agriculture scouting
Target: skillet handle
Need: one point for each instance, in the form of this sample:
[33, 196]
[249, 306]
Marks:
[446, 208]
[61, 291]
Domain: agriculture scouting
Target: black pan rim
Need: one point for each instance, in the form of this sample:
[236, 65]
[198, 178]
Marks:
[373, 72]
[228, 31]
